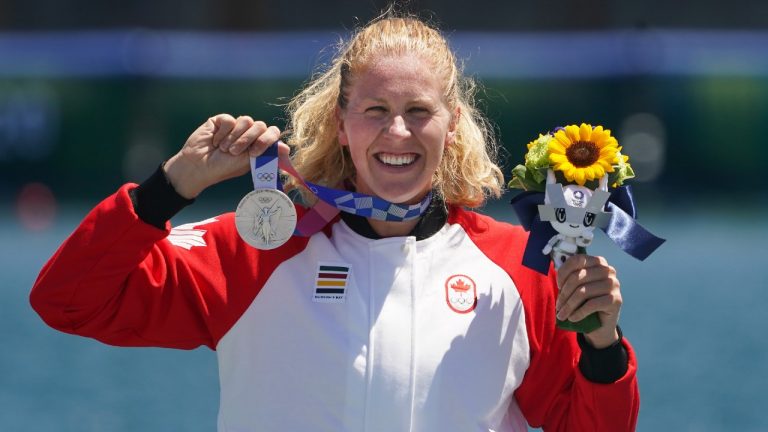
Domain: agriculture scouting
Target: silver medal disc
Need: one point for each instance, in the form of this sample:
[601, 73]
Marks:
[265, 218]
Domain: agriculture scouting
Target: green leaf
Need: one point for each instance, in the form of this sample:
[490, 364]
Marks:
[516, 183]
[519, 171]
[539, 175]
[525, 179]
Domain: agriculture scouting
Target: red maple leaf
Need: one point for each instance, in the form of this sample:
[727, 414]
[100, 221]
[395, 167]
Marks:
[461, 286]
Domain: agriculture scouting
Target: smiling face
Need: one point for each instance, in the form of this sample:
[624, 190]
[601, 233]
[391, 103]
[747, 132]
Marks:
[396, 125]
[573, 221]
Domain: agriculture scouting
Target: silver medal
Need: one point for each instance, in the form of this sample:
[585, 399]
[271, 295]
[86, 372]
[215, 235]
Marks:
[265, 218]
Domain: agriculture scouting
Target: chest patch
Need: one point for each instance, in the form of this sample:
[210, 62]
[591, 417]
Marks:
[461, 293]
[331, 282]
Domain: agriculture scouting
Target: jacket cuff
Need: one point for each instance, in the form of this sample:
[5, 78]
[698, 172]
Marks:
[155, 201]
[603, 366]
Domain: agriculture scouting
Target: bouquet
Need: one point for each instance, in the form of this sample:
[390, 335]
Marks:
[565, 179]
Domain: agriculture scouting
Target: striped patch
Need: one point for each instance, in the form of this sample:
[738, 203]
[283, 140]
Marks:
[331, 283]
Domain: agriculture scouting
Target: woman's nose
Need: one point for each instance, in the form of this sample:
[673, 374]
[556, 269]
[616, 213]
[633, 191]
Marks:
[398, 127]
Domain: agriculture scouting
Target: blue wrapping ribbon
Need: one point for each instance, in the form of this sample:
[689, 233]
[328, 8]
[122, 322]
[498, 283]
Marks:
[622, 228]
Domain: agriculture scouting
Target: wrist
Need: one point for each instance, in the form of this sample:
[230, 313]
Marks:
[603, 338]
[155, 201]
[183, 177]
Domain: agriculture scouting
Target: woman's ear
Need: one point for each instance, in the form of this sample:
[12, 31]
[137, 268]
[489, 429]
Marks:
[450, 139]
[342, 134]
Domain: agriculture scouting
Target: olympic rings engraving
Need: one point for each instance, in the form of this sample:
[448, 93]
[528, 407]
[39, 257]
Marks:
[265, 176]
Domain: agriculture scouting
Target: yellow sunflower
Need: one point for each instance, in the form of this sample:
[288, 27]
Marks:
[583, 153]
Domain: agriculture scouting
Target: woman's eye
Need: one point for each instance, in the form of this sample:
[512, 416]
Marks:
[418, 111]
[375, 109]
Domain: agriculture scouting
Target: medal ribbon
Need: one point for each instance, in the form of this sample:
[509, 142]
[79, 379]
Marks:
[330, 201]
[264, 170]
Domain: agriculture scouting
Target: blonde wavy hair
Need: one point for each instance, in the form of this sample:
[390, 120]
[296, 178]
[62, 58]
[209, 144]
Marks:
[467, 173]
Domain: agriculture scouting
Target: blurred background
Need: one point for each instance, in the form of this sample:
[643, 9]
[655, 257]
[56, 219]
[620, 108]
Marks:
[94, 94]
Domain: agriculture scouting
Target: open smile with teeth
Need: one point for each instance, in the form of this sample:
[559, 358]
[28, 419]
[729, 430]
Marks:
[396, 159]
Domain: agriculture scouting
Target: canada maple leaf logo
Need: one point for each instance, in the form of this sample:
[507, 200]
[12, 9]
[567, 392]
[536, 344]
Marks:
[188, 236]
[461, 293]
[460, 285]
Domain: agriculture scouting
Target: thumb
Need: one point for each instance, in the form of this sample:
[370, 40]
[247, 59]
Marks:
[283, 149]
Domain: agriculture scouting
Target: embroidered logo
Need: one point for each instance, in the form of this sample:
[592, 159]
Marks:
[186, 235]
[461, 293]
[331, 283]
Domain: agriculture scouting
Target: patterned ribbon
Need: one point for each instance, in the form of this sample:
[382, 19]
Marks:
[264, 170]
[330, 201]
[622, 228]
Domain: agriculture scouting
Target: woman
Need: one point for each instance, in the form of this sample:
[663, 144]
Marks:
[433, 324]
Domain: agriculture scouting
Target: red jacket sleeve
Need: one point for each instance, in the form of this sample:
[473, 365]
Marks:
[554, 395]
[121, 281]
[118, 279]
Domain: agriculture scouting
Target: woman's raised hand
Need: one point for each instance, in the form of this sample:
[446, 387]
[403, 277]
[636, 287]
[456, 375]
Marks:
[218, 150]
[589, 284]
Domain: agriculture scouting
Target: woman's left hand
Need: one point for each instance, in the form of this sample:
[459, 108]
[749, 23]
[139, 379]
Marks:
[589, 284]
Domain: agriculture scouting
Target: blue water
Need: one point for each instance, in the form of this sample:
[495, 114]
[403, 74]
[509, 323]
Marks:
[693, 311]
